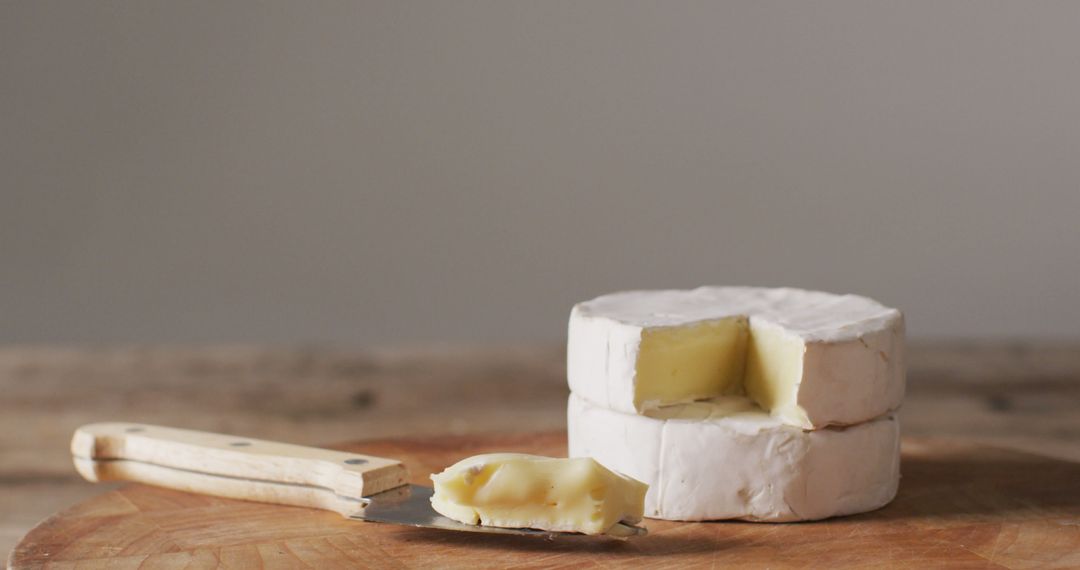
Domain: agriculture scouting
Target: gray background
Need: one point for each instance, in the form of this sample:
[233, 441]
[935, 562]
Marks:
[398, 171]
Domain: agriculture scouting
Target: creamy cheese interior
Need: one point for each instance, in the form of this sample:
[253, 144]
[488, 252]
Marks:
[693, 362]
[528, 491]
[678, 364]
[774, 367]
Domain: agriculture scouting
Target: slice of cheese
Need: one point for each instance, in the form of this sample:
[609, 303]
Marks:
[728, 459]
[812, 359]
[528, 491]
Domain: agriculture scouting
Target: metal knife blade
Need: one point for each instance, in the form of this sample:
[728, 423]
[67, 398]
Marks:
[411, 505]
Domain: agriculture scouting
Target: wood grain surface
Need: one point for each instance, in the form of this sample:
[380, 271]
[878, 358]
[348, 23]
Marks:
[960, 505]
[1023, 396]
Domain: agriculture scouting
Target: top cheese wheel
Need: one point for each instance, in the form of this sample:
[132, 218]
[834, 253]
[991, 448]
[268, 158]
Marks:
[811, 359]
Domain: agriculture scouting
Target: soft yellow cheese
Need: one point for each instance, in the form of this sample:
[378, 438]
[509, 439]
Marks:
[774, 367]
[528, 491]
[695, 362]
[724, 357]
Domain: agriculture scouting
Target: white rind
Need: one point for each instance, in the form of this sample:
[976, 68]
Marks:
[729, 460]
[853, 366]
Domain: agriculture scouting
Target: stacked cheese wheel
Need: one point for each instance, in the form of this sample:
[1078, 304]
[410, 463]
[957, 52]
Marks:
[740, 402]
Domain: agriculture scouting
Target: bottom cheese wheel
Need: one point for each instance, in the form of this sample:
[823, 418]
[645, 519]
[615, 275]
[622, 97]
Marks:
[728, 459]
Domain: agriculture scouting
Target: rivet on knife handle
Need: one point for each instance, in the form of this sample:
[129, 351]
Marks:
[233, 467]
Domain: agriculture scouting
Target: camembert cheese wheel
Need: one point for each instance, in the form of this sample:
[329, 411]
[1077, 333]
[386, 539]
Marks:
[809, 358]
[728, 459]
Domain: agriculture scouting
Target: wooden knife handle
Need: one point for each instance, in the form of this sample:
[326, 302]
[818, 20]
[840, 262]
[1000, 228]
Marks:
[232, 467]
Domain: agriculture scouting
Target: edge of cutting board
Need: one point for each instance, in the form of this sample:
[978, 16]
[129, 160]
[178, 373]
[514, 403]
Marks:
[960, 504]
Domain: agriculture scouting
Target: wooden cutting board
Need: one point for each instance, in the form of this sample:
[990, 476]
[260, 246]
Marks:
[960, 505]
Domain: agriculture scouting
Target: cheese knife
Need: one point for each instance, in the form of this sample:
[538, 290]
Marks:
[359, 487]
